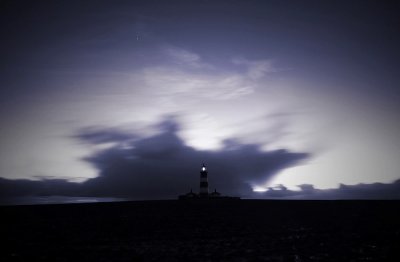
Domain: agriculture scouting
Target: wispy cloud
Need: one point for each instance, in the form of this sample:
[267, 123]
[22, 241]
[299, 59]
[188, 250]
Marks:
[256, 69]
[185, 57]
[175, 84]
[187, 74]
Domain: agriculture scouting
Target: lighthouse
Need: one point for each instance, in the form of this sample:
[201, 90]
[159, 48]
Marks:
[203, 181]
[203, 194]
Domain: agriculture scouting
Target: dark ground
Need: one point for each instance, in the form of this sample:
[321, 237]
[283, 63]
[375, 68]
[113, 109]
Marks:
[242, 230]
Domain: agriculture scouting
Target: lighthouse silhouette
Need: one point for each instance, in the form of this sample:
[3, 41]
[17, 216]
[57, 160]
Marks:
[203, 181]
[204, 193]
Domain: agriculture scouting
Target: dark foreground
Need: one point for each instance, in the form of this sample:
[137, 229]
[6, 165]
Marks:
[246, 230]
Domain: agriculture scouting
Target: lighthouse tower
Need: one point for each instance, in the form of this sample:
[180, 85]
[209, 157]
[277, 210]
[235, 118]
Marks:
[203, 182]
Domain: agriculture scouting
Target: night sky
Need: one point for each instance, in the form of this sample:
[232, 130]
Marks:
[280, 99]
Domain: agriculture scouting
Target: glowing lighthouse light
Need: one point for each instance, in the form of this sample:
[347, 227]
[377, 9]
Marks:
[203, 168]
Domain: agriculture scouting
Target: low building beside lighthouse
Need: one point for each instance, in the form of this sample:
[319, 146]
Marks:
[204, 190]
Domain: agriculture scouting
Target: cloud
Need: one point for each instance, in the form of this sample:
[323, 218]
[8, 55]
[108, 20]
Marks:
[45, 187]
[185, 57]
[185, 75]
[180, 84]
[96, 136]
[359, 191]
[256, 69]
[162, 166]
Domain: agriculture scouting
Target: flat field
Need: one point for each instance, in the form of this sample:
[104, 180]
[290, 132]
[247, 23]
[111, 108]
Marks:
[219, 230]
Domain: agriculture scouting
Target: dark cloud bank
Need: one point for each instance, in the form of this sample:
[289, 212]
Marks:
[162, 166]
[359, 191]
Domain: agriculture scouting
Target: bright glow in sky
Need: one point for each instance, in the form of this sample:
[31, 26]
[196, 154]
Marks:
[256, 103]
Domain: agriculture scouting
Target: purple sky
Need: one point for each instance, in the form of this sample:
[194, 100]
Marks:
[300, 93]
